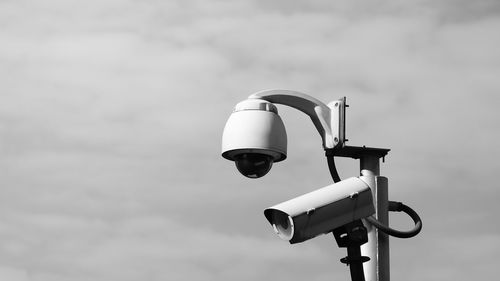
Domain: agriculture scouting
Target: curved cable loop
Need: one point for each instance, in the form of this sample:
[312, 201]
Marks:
[399, 207]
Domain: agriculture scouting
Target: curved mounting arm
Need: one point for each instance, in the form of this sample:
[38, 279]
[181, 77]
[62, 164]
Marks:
[328, 119]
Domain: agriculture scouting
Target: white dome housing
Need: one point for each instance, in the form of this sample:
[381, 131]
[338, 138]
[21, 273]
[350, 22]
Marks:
[254, 127]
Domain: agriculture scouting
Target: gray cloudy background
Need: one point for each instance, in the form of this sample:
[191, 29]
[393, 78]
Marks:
[111, 114]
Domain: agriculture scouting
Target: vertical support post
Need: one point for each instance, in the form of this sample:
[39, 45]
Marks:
[377, 248]
[382, 195]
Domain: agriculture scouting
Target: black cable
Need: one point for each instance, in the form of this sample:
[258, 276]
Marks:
[399, 207]
[329, 153]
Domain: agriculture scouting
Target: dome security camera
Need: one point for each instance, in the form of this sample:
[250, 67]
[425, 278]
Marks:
[254, 137]
[322, 210]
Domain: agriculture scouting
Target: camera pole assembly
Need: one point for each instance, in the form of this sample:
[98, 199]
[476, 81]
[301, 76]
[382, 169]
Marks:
[377, 248]
[255, 137]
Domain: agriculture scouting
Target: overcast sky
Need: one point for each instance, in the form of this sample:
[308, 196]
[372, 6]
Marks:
[111, 116]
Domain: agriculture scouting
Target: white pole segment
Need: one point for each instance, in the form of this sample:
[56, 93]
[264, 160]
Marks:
[377, 248]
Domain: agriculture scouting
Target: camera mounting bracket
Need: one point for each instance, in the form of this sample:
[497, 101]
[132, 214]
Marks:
[329, 119]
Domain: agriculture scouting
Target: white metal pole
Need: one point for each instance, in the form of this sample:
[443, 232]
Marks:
[377, 248]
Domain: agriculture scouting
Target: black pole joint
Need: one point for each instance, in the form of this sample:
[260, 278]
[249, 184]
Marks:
[352, 236]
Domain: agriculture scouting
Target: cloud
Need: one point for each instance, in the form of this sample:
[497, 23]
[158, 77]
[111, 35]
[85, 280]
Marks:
[79, 248]
[112, 114]
[13, 274]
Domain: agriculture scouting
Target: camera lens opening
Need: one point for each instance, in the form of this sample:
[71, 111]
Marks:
[253, 165]
[282, 224]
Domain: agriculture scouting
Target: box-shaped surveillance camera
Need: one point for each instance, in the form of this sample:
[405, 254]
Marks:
[322, 210]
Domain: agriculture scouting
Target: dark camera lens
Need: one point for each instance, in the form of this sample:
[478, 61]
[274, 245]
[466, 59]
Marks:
[253, 165]
[281, 221]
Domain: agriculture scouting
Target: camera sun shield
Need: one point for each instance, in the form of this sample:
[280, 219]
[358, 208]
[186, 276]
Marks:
[321, 211]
